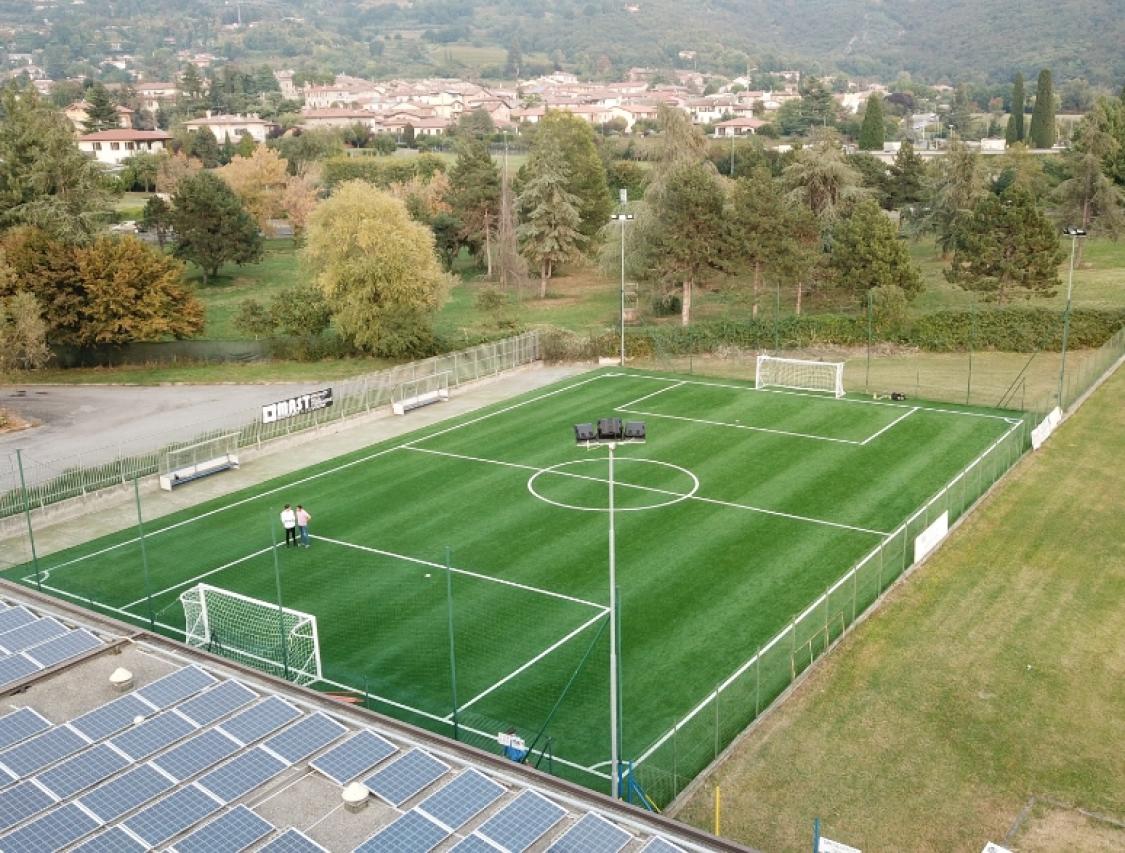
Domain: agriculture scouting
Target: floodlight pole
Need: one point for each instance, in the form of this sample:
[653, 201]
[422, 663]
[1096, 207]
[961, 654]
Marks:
[613, 686]
[1074, 234]
[622, 218]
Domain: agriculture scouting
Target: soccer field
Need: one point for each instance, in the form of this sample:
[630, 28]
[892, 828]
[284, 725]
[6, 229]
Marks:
[744, 508]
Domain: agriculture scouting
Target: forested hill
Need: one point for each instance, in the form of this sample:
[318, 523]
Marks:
[952, 40]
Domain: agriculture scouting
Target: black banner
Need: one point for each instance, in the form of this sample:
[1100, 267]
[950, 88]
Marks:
[299, 405]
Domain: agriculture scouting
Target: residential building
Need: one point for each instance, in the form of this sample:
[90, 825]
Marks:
[232, 126]
[745, 126]
[114, 146]
[78, 114]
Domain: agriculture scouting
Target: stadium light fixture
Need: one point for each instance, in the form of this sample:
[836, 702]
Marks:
[621, 219]
[609, 433]
[1073, 233]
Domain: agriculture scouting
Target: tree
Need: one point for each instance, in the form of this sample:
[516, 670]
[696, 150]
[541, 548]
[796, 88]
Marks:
[44, 180]
[510, 266]
[549, 233]
[574, 139]
[205, 147]
[759, 222]
[1015, 130]
[476, 123]
[960, 117]
[259, 181]
[821, 179]
[958, 184]
[817, 104]
[688, 232]
[192, 87]
[101, 114]
[212, 227]
[1088, 198]
[906, 185]
[298, 201]
[1043, 132]
[867, 253]
[23, 333]
[873, 131]
[157, 218]
[173, 168]
[45, 267]
[141, 170]
[254, 319]
[133, 293]
[301, 312]
[378, 270]
[474, 195]
[1007, 248]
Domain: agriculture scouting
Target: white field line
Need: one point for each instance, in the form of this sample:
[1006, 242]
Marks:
[531, 662]
[547, 592]
[625, 406]
[198, 578]
[319, 474]
[653, 489]
[871, 438]
[902, 528]
[741, 426]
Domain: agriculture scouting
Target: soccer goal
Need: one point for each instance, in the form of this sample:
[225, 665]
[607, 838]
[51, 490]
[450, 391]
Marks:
[257, 633]
[184, 464]
[422, 391]
[799, 374]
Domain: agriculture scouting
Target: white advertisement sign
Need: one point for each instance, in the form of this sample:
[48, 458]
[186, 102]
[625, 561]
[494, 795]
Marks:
[283, 409]
[1044, 430]
[929, 538]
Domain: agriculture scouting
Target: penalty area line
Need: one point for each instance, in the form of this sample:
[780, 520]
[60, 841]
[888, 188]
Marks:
[888, 426]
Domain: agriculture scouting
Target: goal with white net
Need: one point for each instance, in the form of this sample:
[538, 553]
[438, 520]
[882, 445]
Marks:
[414, 393]
[253, 632]
[799, 374]
[184, 464]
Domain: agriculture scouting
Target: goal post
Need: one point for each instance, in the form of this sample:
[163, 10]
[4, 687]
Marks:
[420, 391]
[257, 633]
[799, 374]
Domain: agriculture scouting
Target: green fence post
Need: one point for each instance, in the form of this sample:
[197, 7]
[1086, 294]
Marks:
[972, 344]
[867, 377]
[144, 555]
[452, 645]
[280, 606]
[27, 516]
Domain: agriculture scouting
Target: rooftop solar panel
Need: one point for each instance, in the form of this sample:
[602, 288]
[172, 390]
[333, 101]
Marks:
[20, 724]
[176, 686]
[292, 841]
[406, 776]
[661, 845]
[196, 754]
[53, 831]
[63, 648]
[126, 792]
[112, 717]
[305, 737]
[241, 774]
[522, 822]
[351, 758]
[113, 840]
[461, 800]
[231, 833]
[81, 771]
[13, 617]
[31, 634]
[21, 801]
[259, 720]
[37, 752]
[153, 735]
[169, 817]
[217, 702]
[412, 832]
[15, 667]
[592, 834]
[473, 844]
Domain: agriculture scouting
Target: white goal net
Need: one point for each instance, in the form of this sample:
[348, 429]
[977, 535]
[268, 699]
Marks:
[253, 632]
[421, 391]
[799, 374]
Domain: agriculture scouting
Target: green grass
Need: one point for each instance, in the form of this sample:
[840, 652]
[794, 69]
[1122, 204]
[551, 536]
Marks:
[993, 676]
[790, 494]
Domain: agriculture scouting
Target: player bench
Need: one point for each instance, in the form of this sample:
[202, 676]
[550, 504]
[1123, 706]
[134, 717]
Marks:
[416, 393]
[196, 461]
[186, 474]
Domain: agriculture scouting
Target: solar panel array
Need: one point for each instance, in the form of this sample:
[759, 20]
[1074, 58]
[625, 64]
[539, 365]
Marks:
[292, 841]
[461, 800]
[350, 759]
[405, 776]
[412, 832]
[19, 724]
[592, 834]
[234, 831]
[29, 644]
[522, 822]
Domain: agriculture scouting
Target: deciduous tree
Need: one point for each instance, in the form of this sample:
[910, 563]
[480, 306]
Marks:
[259, 181]
[23, 333]
[212, 227]
[173, 168]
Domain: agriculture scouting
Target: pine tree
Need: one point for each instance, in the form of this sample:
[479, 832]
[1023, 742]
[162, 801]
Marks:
[101, 114]
[1088, 198]
[205, 147]
[192, 86]
[1043, 131]
[211, 225]
[907, 178]
[867, 253]
[961, 115]
[953, 194]
[574, 139]
[550, 216]
[510, 266]
[475, 195]
[759, 221]
[1015, 131]
[873, 131]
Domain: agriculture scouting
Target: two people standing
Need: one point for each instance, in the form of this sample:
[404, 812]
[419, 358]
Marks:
[296, 522]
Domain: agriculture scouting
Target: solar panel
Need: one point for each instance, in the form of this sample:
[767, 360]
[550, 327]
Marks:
[20, 724]
[522, 822]
[175, 687]
[171, 816]
[52, 831]
[305, 737]
[196, 754]
[13, 617]
[217, 702]
[462, 799]
[242, 774]
[413, 832]
[114, 840]
[126, 792]
[231, 833]
[592, 834]
[87, 768]
[15, 667]
[260, 720]
[661, 845]
[153, 735]
[112, 717]
[31, 634]
[358, 753]
[35, 753]
[473, 844]
[292, 841]
[63, 648]
[21, 801]
[406, 776]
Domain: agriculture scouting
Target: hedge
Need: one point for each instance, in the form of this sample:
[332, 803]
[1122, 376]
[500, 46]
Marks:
[381, 171]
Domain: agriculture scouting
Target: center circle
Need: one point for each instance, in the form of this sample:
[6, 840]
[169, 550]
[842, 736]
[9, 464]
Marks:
[670, 497]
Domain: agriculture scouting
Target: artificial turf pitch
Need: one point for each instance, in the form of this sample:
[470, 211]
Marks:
[740, 509]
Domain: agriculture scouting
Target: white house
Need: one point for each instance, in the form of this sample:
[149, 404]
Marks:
[113, 146]
[78, 113]
[746, 126]
[152, 95]
[232, 126]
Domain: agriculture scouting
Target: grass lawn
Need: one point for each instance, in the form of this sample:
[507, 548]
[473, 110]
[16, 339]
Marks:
[743, 507]
[996, 674]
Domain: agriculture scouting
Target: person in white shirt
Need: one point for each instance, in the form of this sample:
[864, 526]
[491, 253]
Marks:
[303, 519]
[289, 522]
